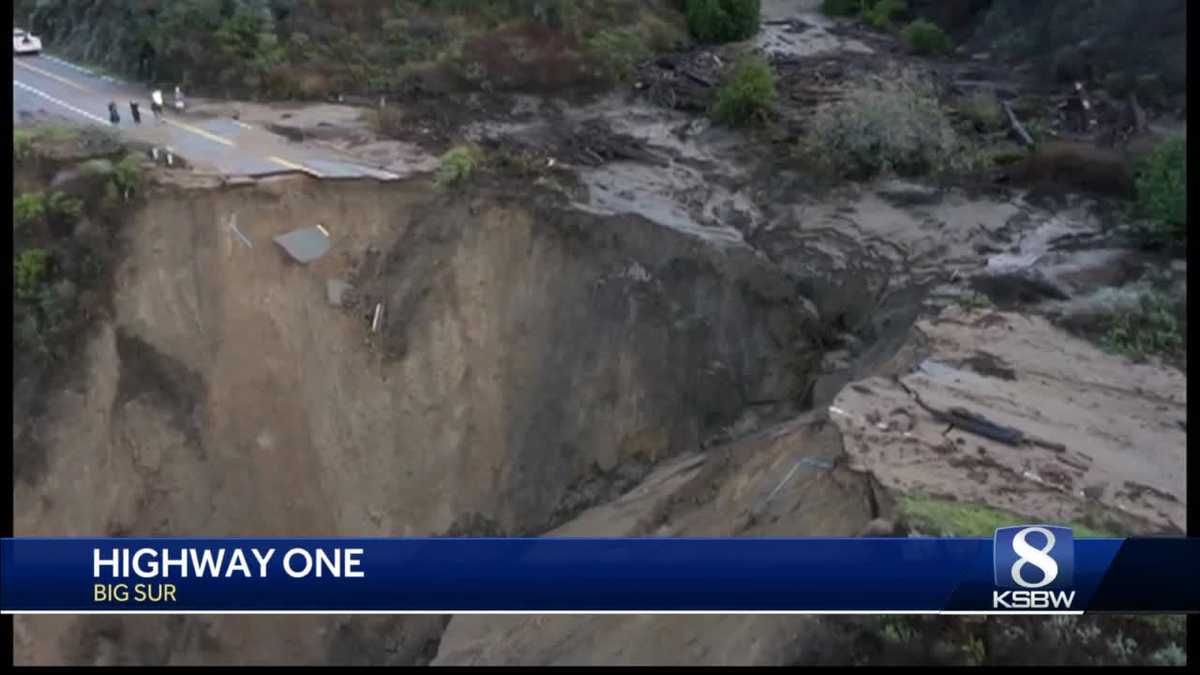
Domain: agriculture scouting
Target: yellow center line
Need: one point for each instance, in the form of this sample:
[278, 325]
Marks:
[197, 130]
[293, 165]
[52, 76]
[182, 125]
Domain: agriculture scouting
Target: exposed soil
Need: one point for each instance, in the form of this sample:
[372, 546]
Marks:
[629, 322]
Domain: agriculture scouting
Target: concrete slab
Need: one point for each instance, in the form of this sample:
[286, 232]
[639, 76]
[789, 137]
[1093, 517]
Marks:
[305, 245]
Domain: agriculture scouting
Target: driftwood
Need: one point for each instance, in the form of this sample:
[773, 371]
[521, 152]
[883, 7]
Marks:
[1017, 127]
[961, 418]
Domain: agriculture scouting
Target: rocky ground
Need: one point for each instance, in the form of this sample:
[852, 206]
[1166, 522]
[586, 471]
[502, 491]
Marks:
[769, 356]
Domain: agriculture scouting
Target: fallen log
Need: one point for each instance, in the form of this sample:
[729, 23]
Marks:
[1016, 125]
[964, 419]
[961, 418]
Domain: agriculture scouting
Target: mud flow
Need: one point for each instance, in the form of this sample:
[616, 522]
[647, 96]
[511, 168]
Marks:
[630, 321]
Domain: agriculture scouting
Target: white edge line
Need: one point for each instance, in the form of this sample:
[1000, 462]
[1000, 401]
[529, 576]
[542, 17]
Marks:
[37, 92]
[569, 612]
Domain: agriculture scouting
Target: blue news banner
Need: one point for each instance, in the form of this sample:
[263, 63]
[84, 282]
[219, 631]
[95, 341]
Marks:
[1026, 569]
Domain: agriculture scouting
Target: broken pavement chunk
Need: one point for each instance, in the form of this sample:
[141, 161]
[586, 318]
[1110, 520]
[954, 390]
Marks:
[306, 244]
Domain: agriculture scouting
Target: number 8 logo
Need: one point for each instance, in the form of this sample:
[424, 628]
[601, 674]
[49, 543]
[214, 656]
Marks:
[1037, 557]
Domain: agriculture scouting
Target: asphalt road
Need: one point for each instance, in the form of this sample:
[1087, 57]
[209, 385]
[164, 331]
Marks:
[49, 85]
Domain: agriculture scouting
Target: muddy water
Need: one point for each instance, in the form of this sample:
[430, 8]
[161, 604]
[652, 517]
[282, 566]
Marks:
[805, 34]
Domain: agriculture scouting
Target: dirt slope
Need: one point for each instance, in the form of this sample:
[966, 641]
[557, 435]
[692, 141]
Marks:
[228, 397]
[745, 489]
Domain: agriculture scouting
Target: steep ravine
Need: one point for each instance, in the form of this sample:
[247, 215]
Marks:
[533, 363]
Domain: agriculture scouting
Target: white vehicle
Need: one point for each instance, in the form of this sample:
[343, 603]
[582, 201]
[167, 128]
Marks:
[25, 42]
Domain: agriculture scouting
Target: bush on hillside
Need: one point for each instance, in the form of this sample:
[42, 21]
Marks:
[1162, 190]
[983, 110]
[457, 165]
[29, 209]
[880, 14]
[62, 208]
[715, 21]
[924, 37]
[747, 92]
[22, 145]
[127, 176]
[892, 125]
[618, 51]
[1150, 328]
[31, 270]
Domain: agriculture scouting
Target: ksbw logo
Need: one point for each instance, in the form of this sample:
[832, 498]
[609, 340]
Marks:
[1034, 567]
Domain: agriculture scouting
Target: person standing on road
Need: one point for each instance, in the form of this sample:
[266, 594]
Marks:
[156, 104]
[113, 116]
[178, 99]
[134, 112]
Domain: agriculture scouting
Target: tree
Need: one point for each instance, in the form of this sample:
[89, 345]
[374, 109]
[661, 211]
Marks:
[748, 90]
[715, 21]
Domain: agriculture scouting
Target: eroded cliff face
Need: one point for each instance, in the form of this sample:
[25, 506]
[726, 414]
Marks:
[531, 363]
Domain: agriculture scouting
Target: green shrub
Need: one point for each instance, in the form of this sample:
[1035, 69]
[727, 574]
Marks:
[715, 21]
[22, 145]
[940, 517]
[618, 51]
[127, 176]
[1162, 190]
[880, 14]
[924, 37]
[1151, 328]
[29, 209]
[31, 270]
[892, 125]
[457, 165]
[63, 208]
[747, 92]
[983, 109]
